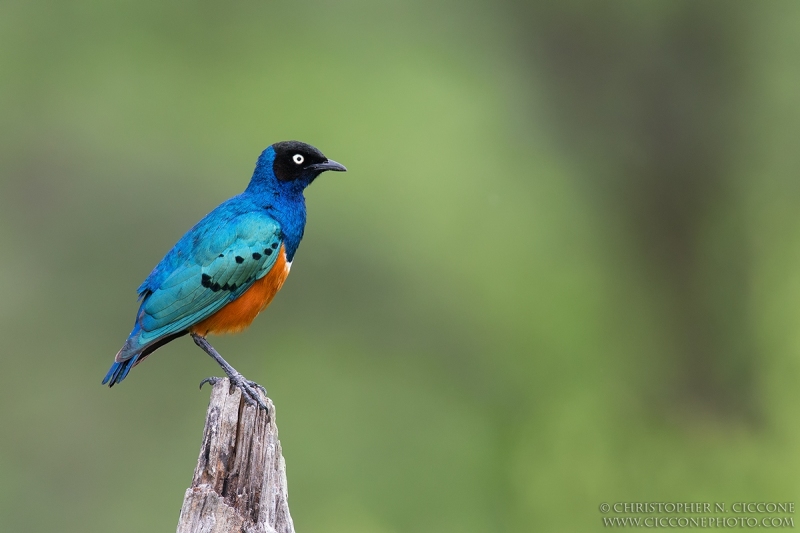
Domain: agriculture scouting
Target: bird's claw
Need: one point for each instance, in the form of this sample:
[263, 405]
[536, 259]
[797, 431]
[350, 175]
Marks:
[211, 381]
[257, 386]
[250, 392]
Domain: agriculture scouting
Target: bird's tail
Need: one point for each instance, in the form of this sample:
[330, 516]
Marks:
[133, 353]
[119, 370]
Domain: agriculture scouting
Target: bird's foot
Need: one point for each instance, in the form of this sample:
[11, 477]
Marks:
[249, 389]
[257, 386]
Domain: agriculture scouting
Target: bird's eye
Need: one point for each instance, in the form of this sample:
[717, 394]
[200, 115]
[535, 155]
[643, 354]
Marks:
[297, 158]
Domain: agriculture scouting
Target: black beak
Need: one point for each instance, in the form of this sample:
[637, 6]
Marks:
[330, 164]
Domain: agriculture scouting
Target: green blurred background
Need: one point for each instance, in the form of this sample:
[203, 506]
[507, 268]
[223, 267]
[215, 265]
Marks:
[563, 268]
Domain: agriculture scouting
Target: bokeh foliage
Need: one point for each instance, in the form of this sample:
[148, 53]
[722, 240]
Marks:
[563, 269]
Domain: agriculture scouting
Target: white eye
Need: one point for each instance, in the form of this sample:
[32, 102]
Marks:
[297, 158]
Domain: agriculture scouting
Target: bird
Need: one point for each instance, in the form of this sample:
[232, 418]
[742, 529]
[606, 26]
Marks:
[228, 267]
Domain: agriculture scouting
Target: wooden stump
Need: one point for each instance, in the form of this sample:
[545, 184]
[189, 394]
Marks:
[239, 484]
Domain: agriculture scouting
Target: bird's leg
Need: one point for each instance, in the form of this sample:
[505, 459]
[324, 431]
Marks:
[249, 388]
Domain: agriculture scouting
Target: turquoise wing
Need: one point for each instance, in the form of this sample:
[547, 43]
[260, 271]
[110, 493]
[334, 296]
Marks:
[208, 268]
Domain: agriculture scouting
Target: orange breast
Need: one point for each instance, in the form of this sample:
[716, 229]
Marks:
[238, 314]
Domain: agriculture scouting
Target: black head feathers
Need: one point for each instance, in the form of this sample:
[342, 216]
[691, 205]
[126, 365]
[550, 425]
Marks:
[293, 159]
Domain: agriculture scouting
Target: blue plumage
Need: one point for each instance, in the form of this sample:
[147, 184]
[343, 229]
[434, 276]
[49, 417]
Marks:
[224, 254]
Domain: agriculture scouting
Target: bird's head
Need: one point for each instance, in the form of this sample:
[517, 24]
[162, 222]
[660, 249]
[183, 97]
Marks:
[291, 166]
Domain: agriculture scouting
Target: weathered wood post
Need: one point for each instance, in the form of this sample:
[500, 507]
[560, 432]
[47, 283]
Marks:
[239, 484]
